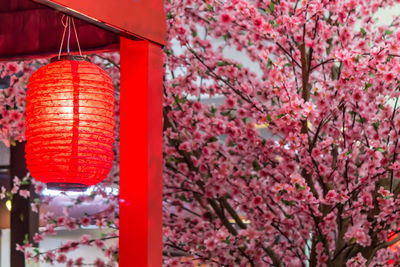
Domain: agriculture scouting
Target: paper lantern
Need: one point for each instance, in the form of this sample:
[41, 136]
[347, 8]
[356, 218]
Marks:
[70, 124]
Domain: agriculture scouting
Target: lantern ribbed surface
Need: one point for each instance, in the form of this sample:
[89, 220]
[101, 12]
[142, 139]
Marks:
[70, 124]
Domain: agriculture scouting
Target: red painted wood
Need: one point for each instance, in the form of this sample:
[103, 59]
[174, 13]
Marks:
[30, 30]
[140, 18]
[141, 154]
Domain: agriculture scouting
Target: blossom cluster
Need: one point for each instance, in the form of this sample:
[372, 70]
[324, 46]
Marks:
[297, 161]
[13, 80]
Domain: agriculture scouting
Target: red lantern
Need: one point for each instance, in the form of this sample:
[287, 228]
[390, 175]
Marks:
[70, 124]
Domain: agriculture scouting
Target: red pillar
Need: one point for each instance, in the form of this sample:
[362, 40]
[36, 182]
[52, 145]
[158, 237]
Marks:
[141, 154]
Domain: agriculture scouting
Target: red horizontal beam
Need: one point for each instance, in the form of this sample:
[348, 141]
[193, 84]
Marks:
[144, 19]
[29, 30]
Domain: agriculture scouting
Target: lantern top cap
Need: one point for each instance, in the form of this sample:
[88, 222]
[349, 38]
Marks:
[68, 57]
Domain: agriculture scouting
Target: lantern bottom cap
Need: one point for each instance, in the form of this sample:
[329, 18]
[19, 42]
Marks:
[67, 186]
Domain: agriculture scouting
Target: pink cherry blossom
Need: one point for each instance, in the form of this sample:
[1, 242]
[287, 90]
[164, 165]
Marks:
[99, 263]
[61, 258]
[302, 141]
[24, 193]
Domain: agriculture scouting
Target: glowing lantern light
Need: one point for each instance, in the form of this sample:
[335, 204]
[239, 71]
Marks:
[70, 124]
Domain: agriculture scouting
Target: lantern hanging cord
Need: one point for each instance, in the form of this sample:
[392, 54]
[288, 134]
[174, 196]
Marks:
[67, 24]
[69, 34]
[76, 37]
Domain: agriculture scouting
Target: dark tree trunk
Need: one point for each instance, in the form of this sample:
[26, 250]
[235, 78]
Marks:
[23, 222]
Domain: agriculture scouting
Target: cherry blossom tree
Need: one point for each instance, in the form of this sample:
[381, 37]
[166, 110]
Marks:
[321, 188]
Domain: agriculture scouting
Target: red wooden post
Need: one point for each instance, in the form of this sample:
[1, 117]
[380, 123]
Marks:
[141, 154]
